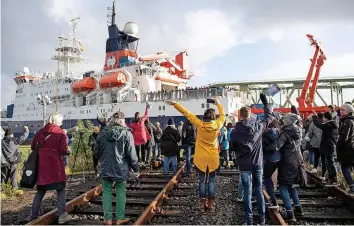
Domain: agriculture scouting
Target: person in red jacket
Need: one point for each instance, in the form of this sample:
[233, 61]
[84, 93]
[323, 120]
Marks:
[53, 146]
[140, 134]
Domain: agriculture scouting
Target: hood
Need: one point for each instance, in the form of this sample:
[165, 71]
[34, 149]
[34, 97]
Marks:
[209, 126]
[115, 132]
[271, 134]
[51, 128]
[333, 123]
[244, 130]
[293, 131]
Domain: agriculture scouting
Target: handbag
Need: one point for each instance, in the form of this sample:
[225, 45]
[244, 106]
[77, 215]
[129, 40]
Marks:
[30, 168]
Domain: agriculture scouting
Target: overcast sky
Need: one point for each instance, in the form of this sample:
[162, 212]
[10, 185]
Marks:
[226, 40]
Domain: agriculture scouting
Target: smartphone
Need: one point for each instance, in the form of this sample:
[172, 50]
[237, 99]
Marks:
[210, 101]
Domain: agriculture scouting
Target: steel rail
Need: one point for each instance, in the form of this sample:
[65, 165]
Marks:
[336, 190]
[155, 205]
[50, 217]
[274, 214]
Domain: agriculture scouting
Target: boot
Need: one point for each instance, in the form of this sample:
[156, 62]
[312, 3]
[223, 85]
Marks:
[290, 216]
[203, 205]
[211, 205]
[107, 222]
[351, 190]
[299, 211]
[122, 221]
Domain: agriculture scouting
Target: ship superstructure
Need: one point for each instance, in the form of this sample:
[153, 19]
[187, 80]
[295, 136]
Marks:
[126, 82]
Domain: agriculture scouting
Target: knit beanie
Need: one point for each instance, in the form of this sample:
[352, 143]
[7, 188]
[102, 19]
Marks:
[289, 119]
[348, 108]
[170, 122]
[8, 132]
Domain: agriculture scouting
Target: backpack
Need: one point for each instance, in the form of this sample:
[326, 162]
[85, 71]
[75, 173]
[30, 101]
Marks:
[190, 132]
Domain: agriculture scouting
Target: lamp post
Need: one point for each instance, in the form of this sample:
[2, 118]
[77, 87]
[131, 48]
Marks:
[44, 101]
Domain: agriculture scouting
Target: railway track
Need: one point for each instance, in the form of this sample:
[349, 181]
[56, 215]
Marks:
[154, 196]
[321, 205]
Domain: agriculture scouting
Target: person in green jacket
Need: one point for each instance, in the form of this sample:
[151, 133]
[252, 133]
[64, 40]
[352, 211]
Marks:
[116, 150]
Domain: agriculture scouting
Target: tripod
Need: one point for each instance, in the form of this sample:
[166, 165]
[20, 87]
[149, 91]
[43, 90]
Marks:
[76, 152]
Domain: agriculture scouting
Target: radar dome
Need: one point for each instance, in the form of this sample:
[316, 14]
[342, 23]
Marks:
[131, 28]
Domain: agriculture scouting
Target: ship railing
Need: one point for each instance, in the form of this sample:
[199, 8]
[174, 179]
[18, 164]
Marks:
[183, 94]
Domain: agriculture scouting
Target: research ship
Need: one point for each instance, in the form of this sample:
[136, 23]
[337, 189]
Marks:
[126, 82]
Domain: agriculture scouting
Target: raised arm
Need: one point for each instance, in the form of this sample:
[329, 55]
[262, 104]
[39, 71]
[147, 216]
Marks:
[146, 115]
[23, 137]
[268, 113]
[318, 124]
[220, 121]
[191, 117]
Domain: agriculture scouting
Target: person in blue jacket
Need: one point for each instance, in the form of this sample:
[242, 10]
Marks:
[224, 146]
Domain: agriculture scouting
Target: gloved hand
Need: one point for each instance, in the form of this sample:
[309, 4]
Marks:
[263, 99]
[294, 110]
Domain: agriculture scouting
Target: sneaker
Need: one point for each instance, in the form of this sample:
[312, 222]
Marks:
[273, 204]
[65, 217]
[299, 211]
[322, 178]
[240, 200]
[332, 184]
[290, 217]
[253, 200]
[314, 170]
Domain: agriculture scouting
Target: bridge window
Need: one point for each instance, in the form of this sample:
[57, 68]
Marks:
[203, 105]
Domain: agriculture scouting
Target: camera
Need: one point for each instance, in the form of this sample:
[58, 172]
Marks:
[210, 101]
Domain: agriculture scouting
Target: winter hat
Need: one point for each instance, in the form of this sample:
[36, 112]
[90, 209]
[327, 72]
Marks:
[8, 132]
[289, 119]
[170, 122]
[348, 108]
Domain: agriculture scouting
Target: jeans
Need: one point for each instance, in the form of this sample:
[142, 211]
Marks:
[311, 157]
[188, 151]
[107, 199]
[246, 177]
[206, 179]
[157, 149]
[9, 172]
[346, 173]
[286, 191]
[269, 169]
[330, 165]
[37, 201]
[240, 189]
[166, 164]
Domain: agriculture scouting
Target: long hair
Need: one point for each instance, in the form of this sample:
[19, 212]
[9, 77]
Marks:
[209, 114]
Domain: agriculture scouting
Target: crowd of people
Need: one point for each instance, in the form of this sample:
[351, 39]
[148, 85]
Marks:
[258, 148]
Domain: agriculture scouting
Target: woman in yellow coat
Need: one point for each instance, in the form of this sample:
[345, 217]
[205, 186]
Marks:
[206, 157]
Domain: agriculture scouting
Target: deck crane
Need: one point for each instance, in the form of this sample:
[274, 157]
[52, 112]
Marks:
[306, 101]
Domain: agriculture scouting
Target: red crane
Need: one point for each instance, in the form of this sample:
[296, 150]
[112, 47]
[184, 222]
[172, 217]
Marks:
[306, 101]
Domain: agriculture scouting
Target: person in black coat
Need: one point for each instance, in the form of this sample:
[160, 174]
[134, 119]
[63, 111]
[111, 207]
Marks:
[288, 144]
[169, 146]
[345, 145]
[328, 145]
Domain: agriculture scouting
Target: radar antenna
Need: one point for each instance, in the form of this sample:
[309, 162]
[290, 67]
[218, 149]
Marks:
[74, 23]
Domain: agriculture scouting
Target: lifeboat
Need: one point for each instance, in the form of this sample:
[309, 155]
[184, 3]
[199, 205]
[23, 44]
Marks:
[114, 79]
[84, 85]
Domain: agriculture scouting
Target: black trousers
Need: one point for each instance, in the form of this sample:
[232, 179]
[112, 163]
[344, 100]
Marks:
[8, 172]
[317, 154]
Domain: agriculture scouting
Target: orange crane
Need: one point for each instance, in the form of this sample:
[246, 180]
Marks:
[305, 101]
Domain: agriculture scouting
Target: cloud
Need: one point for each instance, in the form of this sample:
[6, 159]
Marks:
[207, 34]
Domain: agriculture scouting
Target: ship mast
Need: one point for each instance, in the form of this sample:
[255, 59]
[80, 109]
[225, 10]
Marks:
[68, 52]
